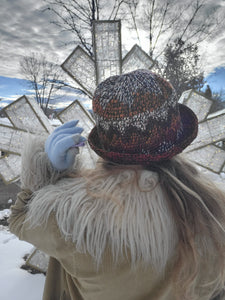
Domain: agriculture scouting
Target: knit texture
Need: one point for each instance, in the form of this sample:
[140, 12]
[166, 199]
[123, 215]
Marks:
[138, 119]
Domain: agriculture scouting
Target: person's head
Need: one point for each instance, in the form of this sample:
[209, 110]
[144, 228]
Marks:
[139, 120]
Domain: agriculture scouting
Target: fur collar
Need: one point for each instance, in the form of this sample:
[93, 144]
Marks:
[127, 211]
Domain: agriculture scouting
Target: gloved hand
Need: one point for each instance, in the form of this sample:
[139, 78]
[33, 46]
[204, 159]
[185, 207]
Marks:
[62, 145]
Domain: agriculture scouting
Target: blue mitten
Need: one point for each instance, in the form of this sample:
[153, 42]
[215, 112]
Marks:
[62, 145]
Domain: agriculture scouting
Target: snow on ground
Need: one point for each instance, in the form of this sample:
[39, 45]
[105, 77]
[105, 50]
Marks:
[15, 283]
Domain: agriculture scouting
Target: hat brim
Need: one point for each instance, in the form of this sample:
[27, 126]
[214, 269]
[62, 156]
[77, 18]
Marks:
[189, 132]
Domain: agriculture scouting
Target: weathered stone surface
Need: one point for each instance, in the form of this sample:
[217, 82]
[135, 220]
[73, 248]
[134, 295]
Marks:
[205, 150]
[76, 111]
[38, 260]
[210, 157]
[81, 67]
[11, 139]
[10, 166]
[136, 58]
[197, 102]
[107, 49]
[25, 114]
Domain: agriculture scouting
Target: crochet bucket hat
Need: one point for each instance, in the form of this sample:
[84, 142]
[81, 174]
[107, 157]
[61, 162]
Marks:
[139, 120]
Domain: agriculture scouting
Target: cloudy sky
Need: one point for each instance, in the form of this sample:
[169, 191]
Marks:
[25, 29]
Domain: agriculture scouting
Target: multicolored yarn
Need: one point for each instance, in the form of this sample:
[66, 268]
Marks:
[138, 119]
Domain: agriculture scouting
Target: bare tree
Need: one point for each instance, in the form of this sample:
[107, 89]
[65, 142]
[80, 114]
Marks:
[174, 29]
[77, 16]
[132, 17]
[208, 92]
[165, 21]
[179, 25]
[44, 77]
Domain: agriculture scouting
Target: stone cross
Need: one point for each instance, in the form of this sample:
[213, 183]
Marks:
[88, 72]
[25, 115]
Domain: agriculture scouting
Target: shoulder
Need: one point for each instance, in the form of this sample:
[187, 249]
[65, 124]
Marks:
[120, 207]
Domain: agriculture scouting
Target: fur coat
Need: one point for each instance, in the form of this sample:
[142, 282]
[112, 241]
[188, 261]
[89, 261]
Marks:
[108, 239]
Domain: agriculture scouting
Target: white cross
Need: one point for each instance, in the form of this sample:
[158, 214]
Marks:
[25, 115]
[108, 61]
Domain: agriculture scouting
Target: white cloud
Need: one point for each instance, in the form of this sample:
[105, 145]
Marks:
[212, 53]
[25, 29]
[9, 98]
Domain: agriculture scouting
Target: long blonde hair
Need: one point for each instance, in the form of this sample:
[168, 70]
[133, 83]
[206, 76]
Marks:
[197, 206]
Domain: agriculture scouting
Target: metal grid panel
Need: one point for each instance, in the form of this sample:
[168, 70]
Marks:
[216, 126]
[210, 132]
[210, 157]
[10, 166]
[81, 68]
[185, 95]
[43, 120]
[88, 157]
[136, 58]
[198, 103]
[204, 137]
[38, 260]
[26, 114]
[107, 46]
[76, 111]
[11, 139]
